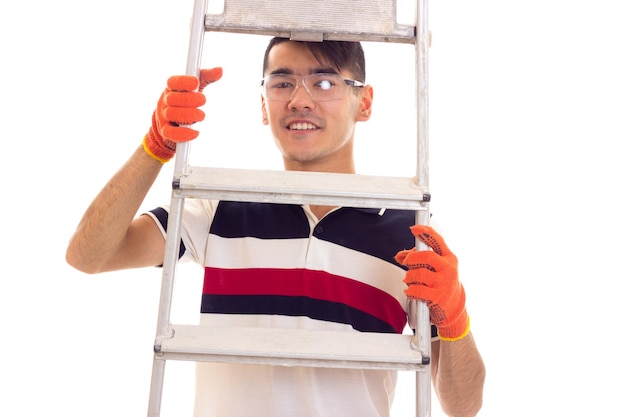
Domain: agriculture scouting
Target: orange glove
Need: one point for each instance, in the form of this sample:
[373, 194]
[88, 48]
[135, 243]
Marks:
[433, 278]
[178, 105]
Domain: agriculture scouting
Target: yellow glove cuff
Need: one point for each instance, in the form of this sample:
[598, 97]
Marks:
[459, 337]
[146, 148]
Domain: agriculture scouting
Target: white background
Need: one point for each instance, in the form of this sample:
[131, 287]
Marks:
[527, 115]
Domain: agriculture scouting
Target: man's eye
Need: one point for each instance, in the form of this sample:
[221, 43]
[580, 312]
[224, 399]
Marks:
[282, 84]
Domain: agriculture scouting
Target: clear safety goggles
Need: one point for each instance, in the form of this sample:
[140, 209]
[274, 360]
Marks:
[321, 87]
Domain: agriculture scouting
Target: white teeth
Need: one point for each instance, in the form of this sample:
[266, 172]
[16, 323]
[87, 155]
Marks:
[302, 126]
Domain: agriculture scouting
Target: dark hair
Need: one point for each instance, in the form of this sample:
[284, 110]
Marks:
[343, 54]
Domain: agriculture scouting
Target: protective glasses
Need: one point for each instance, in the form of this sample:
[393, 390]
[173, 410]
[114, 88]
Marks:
[321, 87]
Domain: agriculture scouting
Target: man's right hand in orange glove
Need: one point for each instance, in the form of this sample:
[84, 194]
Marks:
[176, 110]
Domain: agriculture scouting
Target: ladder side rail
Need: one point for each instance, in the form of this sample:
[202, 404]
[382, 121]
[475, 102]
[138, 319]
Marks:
[164, 330]
[421, 318]
[422, 340]
[194, 59]
[172, 240]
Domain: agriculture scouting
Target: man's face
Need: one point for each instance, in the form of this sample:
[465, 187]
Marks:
[313, 136]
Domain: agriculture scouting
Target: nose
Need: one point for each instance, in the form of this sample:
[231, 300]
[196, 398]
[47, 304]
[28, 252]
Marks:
[301, 98]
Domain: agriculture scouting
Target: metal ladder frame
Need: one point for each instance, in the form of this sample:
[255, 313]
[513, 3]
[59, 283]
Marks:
[375, 351]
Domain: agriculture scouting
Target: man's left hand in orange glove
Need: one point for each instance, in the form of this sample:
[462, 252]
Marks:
[432, 277]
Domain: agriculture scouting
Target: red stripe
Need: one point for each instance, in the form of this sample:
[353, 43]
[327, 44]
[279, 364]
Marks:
[303, 282]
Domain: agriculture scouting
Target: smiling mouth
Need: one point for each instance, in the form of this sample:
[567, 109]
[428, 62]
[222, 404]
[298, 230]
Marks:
[302, 126]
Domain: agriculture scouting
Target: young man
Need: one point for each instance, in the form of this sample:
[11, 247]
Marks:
[276, 265]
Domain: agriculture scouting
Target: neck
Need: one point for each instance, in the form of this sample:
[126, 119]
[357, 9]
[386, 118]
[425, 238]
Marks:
[335, 166]
[321, 211]
[339, 166]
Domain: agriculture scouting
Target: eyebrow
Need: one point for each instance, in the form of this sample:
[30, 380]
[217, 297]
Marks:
[318, 70]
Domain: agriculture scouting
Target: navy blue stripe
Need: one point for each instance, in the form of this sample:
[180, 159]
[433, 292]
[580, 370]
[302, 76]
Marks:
[294, 306]
[260, 220]
[162, 215]
[379, 236]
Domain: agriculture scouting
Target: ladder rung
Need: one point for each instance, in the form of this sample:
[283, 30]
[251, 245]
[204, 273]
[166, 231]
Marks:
[297, 187]
[292, 347]
[313, 20]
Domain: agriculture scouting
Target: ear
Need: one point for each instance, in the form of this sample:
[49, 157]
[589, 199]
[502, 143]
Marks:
[264, 112]
[365, 105]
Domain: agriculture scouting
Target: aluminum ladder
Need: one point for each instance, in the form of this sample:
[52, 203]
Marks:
[313, 20]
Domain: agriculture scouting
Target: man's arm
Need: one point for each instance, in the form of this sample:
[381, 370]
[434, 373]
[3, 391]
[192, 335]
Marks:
[458, 375]
[108, 237]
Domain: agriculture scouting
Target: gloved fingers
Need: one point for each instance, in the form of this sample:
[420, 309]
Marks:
[439, 275]
[428, 259]
[422, 293]
[182, 83]
[178, 134]
[183, 116]
[208, 76]
[186, 99]
[421, 276]
[431, 238]
[186, 83]
[443, 312]
[401, 256]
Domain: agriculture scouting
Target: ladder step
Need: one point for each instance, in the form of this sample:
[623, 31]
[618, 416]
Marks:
[297, 187]
[314, 20]
[291, 347]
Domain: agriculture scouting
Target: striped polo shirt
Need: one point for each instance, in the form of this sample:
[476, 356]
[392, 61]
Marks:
[277, 259]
